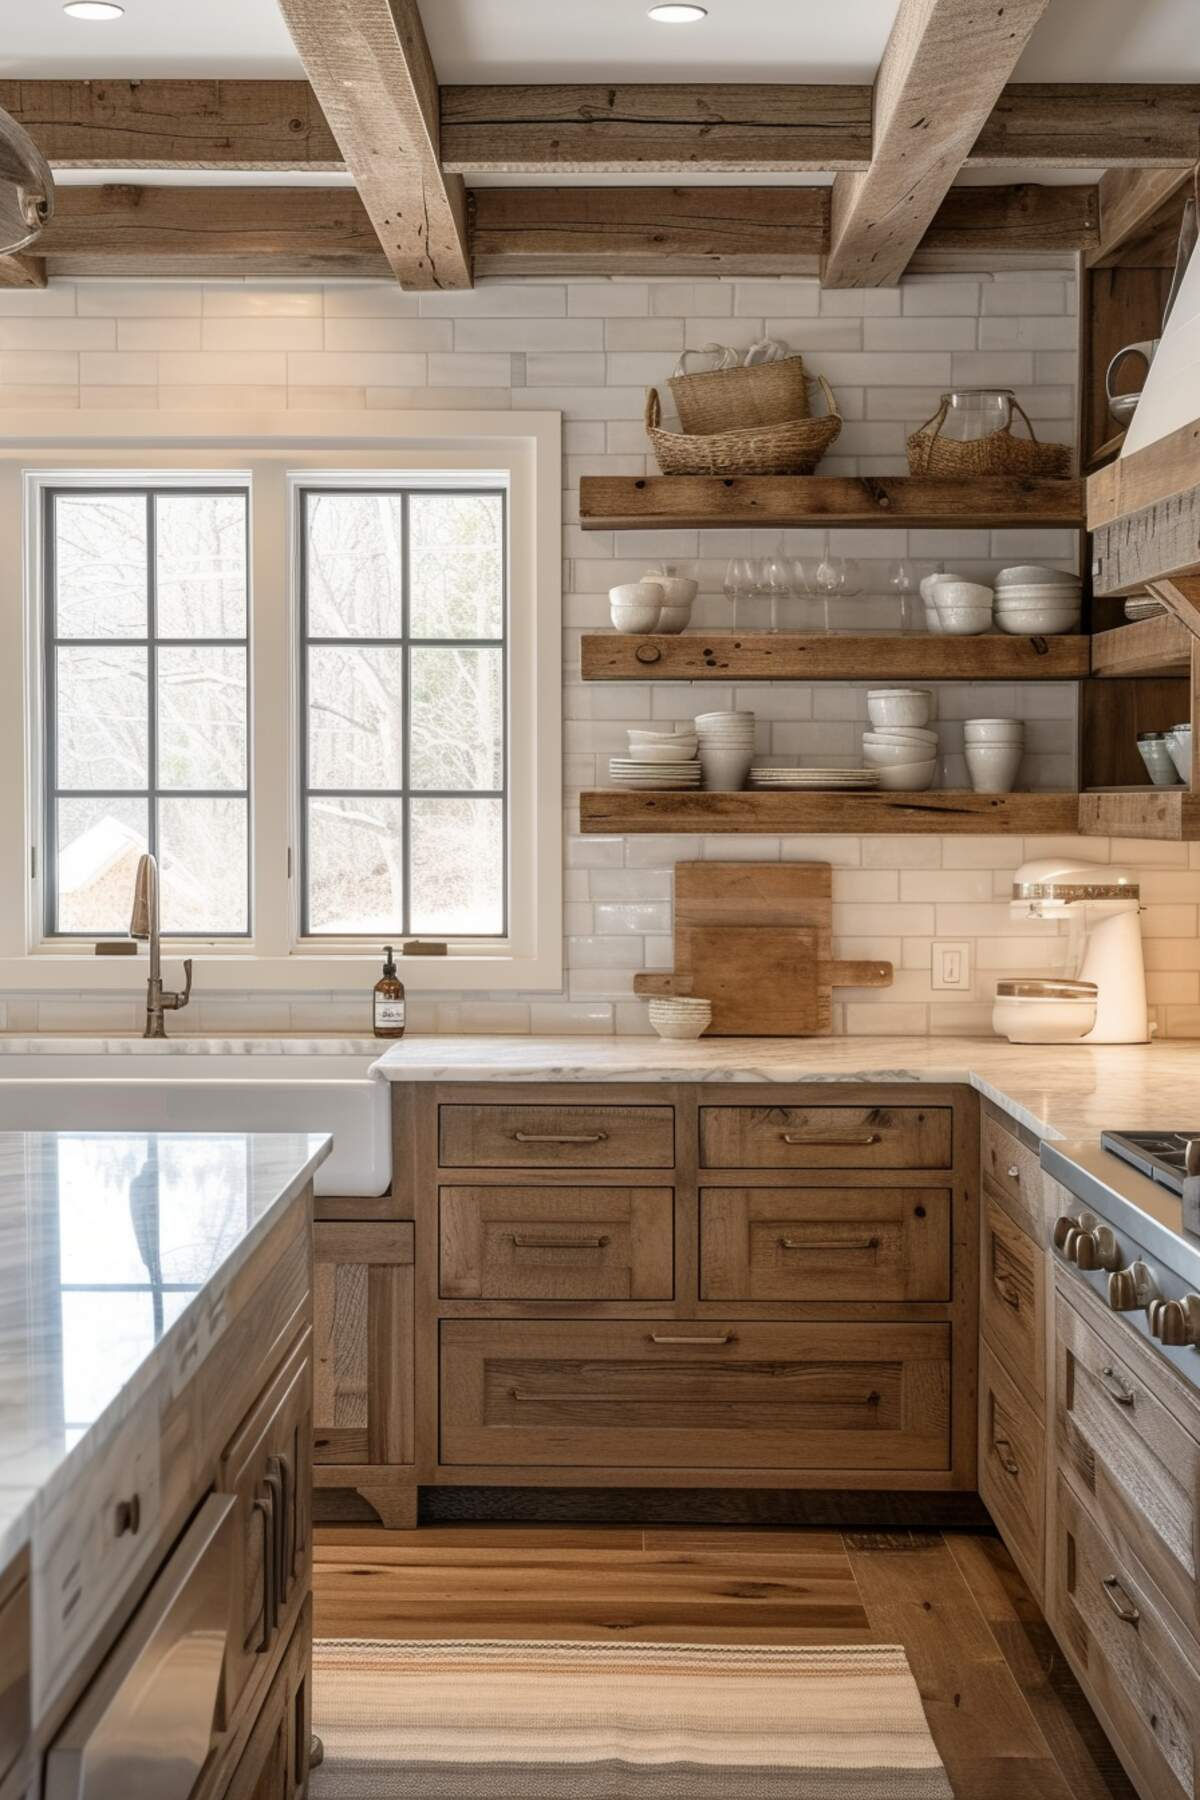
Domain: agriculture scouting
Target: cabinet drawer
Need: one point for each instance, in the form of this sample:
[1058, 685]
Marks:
[1131, 1663]
[556, 1137]
[14, 1663]
[557, 1243]
[834, 1243]
[1128, 1452]
[267, 1468]
[695, 1393]
[825, 1137]
[1017, 1174]
[1012, 1467]
[1012, 1298]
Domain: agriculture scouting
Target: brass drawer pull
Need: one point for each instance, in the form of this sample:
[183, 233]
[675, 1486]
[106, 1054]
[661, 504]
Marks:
[562, 1137]
[1119, 1600]
[1007, 1292]
[1114, 1386]
[726, 1337]
[831, 1143]
[786, 1243]
[1007, 1460]
[521, 1242]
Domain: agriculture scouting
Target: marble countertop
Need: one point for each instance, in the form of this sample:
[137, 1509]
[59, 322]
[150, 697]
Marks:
[47, 1043]
[1056, 1090]
[107, 1242]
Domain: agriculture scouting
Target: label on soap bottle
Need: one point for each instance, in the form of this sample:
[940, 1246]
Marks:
[388, 1012]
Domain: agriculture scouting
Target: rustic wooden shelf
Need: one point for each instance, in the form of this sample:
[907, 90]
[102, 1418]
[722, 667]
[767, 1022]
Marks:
[630, 812]
[1105, 454]
[797, 656]
[1143, 812]
[647, 502]
[1157, 646]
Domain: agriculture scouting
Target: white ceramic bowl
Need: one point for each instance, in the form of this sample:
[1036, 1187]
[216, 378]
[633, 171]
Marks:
[661, 753]
[908, 777]
[993, 767]
[724, 771]
[915, 735]
[899, 706]
[965, 622]
[1031, 574]
[1011, 596]
[674, 618]
[635, 606]
[678, 590]
[721, 718]
[885, 756]
[1038, 624]
[993, 731]
[954, 591]
[1179, 748]
[669, 1020]
[1042, 1020]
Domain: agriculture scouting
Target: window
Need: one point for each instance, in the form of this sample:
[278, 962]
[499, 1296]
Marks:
[146, 706]
[402, 700]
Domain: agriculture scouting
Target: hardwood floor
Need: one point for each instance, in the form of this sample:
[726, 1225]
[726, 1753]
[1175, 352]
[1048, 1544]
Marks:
[1005, 1712]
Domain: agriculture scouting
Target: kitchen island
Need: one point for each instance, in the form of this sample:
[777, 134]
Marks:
[155, 1425]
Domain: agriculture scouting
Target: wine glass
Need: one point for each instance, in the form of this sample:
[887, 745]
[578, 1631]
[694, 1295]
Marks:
[903, 584]
[828, 578]
[775, 581]
[740, 583]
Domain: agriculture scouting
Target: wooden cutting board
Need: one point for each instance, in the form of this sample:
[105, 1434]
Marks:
[756, 939]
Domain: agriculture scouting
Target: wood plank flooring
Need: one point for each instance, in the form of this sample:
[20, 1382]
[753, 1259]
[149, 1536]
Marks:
[1006, 1714]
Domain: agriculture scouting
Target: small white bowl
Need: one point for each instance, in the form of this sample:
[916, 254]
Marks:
[674, 619]
[903, 734]
[1021, 624]
[670, 1020]
[678, 590]
[954, 591]
[993, 767]
[1041, 1019]
[885, 756]
[1033, 574]
[899, 706]
[966, 622]
[908, 777]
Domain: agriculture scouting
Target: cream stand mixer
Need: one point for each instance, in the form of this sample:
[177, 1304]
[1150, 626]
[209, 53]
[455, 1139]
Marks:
[1105, 1002]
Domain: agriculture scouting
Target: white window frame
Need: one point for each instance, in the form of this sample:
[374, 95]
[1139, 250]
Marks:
[277, 452]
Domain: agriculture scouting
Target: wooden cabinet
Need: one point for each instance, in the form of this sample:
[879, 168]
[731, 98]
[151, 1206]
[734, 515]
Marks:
[696, 1393]
[557, 1243]
[825, 1244]
[825, 1137]
[1012, 1299]
[1013, 1171]
[513, 1136]
[274, 1763]
[266, 1467]
[15, 1658]
[1012, 1467]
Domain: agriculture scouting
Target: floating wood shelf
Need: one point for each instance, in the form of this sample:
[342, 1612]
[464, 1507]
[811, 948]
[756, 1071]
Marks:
[1105, 454]
[630, 812]
[1144, 812]
[649, 502]
[1158, 646]
[796, 656]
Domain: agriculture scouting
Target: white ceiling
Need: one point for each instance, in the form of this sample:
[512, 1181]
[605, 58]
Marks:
[582, 40]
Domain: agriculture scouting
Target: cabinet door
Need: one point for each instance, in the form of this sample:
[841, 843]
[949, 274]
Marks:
[274, 1764]
[363, 1328]
[268, 1467]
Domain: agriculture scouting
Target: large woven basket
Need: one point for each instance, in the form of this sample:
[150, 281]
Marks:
[998, 453]
[727, 399]
[794, 447]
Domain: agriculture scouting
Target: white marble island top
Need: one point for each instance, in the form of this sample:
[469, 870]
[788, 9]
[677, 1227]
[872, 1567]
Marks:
[1057, 1090]
[108, 1241]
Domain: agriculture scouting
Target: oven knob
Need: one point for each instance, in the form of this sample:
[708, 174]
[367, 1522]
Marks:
[1175, 1322]
[1070, 1248]
[1063, 1226]
[1098, 1249]
[1131, 1289]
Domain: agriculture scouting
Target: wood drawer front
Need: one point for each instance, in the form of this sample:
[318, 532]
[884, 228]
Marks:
[1132, 1665]
[696, 1393]
[834, 1243]
[363, 1343]
[1012, 1298]
[557, 1243]
[1125, 1449]
[556, 1137]
[15, 1651]
[1017, 1174]
[268, 1467]
[1012, 1467]
[825, 1137]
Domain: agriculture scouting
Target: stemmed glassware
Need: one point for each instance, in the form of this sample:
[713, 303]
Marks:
[775, 581]
[903, 583]
[835, 577]
[740, 583]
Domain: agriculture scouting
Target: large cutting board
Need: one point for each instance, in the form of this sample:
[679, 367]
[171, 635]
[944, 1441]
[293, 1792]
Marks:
[756, 939]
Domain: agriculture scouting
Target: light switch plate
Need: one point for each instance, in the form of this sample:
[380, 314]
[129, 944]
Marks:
[952, 966]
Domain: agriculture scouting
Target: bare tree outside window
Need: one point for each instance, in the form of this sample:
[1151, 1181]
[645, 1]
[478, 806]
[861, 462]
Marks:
[404, 728]
[147, 706]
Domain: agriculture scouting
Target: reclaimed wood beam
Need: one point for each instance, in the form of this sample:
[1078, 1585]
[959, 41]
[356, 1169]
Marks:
[1158, 543]
[370, 69]
[223, 231]
[627, 812]
[18, 269]
[649, 230]
[796, 656]
[1132, 204]
[942, 72]
[1167, 466]
[1012, 221]
[174, 124]
[1091, 125]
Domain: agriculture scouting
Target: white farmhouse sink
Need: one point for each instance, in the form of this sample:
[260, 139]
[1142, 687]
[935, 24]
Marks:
[208, 1084]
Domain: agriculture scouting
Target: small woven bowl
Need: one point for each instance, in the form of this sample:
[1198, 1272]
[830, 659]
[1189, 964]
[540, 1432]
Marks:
[680, 1018]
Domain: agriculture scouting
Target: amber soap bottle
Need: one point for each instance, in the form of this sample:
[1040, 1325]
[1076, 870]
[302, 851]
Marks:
[388, 1009]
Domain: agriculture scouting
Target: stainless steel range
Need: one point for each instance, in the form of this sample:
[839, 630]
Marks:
[1126, 1238]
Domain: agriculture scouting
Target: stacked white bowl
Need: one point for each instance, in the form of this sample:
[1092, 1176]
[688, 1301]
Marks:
[677, 1017]
[1035, 601]
[900, 744]
[962, 608]
[993, 749]
[658, 759]
[726, 742]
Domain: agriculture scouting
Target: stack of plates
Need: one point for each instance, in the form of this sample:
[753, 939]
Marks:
[628, 772]
[841, 781]
[1142, 606]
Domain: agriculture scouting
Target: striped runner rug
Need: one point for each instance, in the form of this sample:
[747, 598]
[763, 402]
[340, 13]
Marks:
[575, 1721]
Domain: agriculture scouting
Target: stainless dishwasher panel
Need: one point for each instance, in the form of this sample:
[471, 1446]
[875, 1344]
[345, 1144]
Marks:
[145, 1726]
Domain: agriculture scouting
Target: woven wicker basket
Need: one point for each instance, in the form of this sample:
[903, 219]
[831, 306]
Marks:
[999, 453]
[794, 447]
[728, 399]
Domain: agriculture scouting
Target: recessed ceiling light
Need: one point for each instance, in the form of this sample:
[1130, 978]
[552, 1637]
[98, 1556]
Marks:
[93, 9]
[678, 15]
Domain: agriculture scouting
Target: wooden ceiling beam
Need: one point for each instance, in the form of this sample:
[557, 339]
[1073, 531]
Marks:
[1091, 125]
[274, 125]
[280, 232]
[370, 68]
[942, 72]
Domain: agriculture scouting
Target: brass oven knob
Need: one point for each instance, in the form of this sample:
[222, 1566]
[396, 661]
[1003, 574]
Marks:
[1131, 1289]
[1063, 1226]
[1098, 1249]
[1175, 1322]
